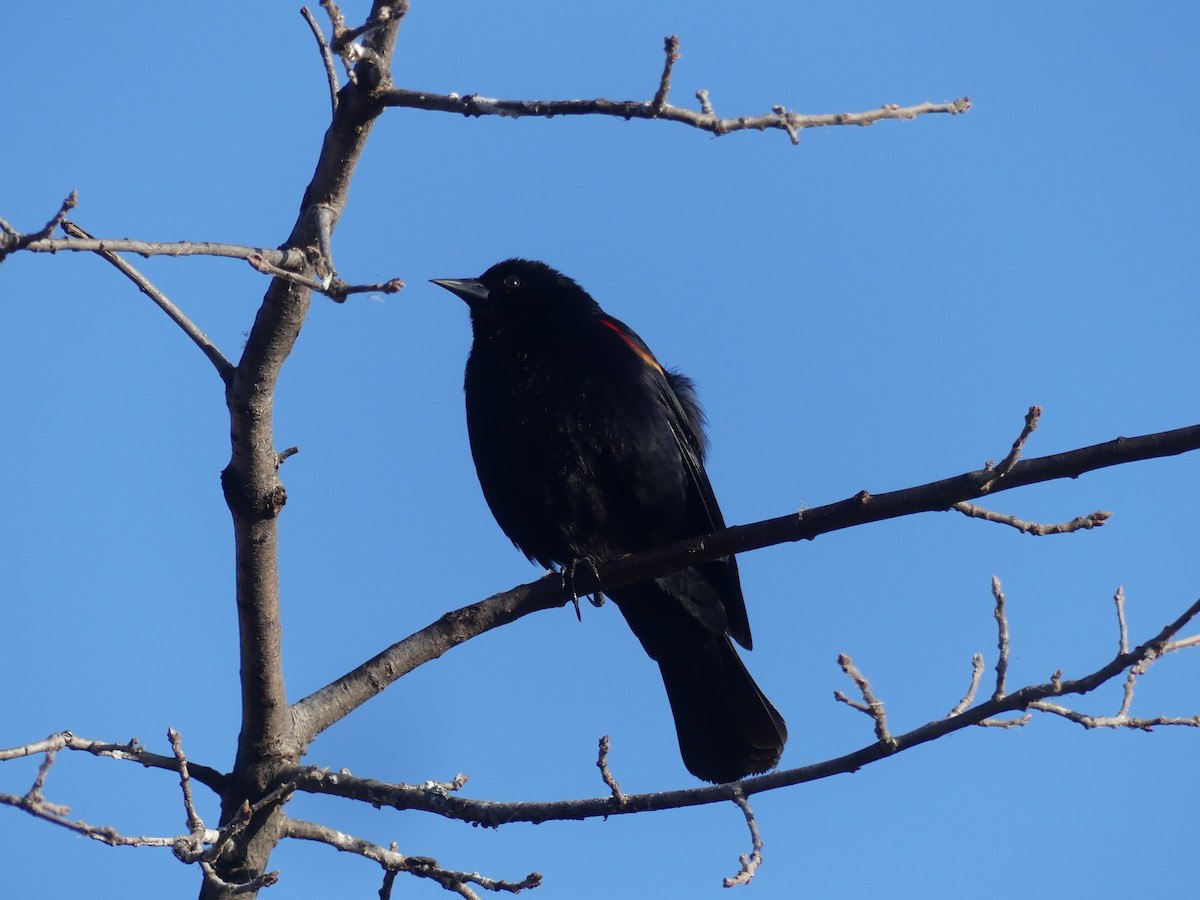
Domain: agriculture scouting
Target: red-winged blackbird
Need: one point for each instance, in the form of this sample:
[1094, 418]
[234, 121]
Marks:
[588, 449]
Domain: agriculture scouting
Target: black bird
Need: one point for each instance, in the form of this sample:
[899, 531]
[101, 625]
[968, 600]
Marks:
[588, 449]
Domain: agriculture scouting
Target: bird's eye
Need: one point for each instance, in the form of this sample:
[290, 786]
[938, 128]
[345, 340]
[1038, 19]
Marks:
[512, 281]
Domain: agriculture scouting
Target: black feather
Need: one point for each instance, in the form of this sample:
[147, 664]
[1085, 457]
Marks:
[587, 448]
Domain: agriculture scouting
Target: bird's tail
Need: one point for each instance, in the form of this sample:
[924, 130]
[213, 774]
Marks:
[727, 728]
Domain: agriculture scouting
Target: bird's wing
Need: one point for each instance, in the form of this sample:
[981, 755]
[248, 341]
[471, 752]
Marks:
[686, 421]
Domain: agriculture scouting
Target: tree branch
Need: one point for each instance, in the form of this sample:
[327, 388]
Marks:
[223, 366]
[394, 861]
[493, 814]
[792, 123]
[290, 264]
[331, 703]
[657, 108]
[292, 260]
[253, 491]
[131, 752]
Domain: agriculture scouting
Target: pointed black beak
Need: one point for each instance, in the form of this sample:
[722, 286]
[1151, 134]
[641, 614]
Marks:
[467, 289]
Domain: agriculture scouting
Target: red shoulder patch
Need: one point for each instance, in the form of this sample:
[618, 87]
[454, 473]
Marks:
[634, 344]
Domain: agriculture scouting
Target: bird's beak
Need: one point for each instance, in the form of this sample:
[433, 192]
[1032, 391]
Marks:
[467, 289]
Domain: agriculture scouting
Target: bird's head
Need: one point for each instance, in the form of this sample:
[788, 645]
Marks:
[518, 288]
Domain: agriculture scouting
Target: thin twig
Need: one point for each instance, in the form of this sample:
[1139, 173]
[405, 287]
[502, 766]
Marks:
[131, 752]
[223, 366]
[53, 742]
[602, 764]
[1002, 641]
[1117, 721]
[1182, 643]
[194, 822]
[786, 124]
[393, 860]
[333, 288]
[976, 676]
[705, 120]
[872, 706]
[389, 879]
[750, 862]
[671, 46]
[57, 815]
[1122, 627]
[1006, 464]
[290, 259]
[325, 218]
[339, 290]
[1080, 523]
[326, 56]
[14, 240]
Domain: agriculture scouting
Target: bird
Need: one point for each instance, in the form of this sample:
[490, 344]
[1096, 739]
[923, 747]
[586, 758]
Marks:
[587, 449]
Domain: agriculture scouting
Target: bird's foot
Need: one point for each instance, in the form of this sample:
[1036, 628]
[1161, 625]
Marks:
[596, 598]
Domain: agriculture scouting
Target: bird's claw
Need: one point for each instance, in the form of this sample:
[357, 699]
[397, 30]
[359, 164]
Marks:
[596, 598]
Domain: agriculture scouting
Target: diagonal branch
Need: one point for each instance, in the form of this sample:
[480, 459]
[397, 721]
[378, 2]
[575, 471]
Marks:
[331, 703]
[223, 366]
[493, 814]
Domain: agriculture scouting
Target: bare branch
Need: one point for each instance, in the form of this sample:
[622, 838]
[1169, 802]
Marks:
[871, 705]
[1002, 641]
[326, 56]
[394, 861]
[131, 752]
[1117, 721]
[969, 698]
[34, 803]
[1080, 523]
[750, 862]
[609, 780]
[223, 366]
[382, 15]
[106, 834]
[1122, 627]
[250, 482]
[494, 814]
[789, 122]
[671, 46]
[1006, 464]
[319, 710]
[333, 288]
[339, 290]
[1122, 719]
[12, 240]
[194, 822]
[49, 745]
[291, 260]
[325, 218]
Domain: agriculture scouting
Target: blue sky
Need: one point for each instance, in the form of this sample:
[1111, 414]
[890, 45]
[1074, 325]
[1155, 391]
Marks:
[874, 309]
